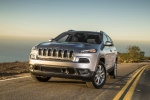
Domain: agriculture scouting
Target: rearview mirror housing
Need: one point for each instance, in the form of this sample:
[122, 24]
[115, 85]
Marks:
[108, 43]
[50, 40]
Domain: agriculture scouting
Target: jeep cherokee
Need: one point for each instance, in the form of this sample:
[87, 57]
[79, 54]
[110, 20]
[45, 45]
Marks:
[84, 55]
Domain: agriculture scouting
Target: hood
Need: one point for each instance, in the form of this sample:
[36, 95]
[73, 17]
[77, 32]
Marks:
[76, 46]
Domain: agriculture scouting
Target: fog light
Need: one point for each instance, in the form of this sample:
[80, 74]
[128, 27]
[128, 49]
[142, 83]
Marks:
[31, 67]
[33, 56]
[84, 71]
[84, 60]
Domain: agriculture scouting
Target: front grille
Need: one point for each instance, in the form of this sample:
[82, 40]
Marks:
[52, 53]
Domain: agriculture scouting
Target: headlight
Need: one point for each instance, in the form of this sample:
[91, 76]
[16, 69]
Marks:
[89, 51]
[34, 50]
[34, 53]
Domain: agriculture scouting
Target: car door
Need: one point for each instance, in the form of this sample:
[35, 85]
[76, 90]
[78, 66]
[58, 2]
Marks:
[112, 52]
[107, 52]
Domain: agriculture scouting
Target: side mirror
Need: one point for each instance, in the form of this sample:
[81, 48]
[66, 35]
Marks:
[50, 40]
[108, 43]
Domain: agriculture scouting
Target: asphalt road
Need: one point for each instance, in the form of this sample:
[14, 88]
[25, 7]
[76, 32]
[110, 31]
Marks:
[67, 89]
[142, 91]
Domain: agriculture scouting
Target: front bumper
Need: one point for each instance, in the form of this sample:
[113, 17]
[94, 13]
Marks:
[61, 69]
[64, 72]
[86, 77]
[66, 69]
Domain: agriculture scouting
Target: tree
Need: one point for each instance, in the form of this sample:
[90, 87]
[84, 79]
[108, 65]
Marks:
[123, 57]
[134, 53]
[142, 53]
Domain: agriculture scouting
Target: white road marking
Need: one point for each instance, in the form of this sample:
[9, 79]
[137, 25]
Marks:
[13, 78]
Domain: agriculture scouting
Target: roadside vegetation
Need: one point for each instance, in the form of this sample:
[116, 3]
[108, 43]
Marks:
[13, 68]
[133, 55]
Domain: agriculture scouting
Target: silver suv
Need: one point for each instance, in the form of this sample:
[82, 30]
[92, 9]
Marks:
[84, 55]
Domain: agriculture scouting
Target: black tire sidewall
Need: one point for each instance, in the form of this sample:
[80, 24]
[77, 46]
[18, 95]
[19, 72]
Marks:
[115, 70]
[40, 79]
[93, 78]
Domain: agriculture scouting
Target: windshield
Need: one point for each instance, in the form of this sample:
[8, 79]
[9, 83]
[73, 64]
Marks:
[94, 38]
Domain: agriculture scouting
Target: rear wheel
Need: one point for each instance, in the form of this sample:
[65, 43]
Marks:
[99, 77]
[40, 78]
[113, 73]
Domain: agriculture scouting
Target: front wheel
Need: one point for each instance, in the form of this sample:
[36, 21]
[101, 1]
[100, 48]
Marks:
[99, 77]
[40, 78]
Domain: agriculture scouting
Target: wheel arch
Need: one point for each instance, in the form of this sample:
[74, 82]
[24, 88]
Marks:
[101, 59]
[116, 59]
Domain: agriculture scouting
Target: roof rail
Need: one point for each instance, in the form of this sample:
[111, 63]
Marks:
[102, 32]
[70, 30]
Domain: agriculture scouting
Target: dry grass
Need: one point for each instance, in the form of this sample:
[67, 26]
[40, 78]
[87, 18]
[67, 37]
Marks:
[13, 68]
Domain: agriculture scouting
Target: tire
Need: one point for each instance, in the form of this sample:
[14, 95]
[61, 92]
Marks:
[99, 77]
[40, 78]
[113, 73]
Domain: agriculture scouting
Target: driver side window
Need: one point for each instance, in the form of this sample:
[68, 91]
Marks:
[104, 38]
[109, 39]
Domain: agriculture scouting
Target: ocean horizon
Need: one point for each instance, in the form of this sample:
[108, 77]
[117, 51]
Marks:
[20, 50]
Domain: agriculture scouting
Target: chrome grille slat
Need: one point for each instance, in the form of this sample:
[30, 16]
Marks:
[47, 52]
[56, 53]
[41, 52]
[53, 53]
[62, 54]
[68, 53]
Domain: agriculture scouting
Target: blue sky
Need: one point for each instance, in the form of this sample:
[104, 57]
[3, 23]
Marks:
[24, 23]
[122, 20]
